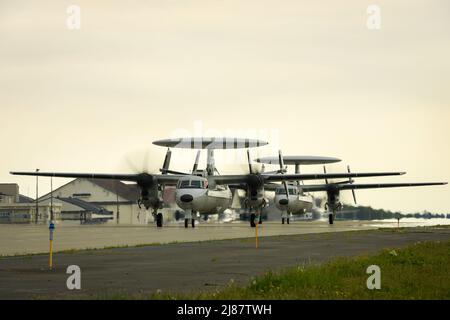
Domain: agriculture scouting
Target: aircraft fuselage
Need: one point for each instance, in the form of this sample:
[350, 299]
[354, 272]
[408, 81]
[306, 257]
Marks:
[297, 203]
[195, 195]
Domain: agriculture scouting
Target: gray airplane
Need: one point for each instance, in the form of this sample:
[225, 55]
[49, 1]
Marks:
[207, 192]
[298, 201]
[295, 199]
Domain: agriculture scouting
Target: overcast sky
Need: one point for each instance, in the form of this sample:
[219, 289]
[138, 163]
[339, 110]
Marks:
[309, 77]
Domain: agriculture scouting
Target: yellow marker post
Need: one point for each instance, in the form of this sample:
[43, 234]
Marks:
[256, 235]
[50, 261]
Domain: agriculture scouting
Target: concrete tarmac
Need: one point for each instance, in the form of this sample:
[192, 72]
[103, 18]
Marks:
[26, 239]
[184, 267]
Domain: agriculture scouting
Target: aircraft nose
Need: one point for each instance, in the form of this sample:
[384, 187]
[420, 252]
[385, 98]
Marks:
[186, 198]
[283, 202]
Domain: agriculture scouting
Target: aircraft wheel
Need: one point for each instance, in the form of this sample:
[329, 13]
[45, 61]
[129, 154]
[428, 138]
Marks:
[331, 218]
[193, 223]
[159, 220]
[282, 220]
[252, 220]
[287, 220]
[186, 223]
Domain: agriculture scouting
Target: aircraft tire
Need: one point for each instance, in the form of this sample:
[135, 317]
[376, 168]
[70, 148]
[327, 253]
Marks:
[159, 220]
[282, 220]
[193, 223]
[252, 220]
[331, 218]
[186, 223]
[287, 220]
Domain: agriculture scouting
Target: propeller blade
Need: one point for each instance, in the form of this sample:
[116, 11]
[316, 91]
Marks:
[281, 162]
[131, 165]
[197, 158]
[350, 180]
[297, 171]
[167, 160]
[354, 196]
[250, 169]
[325, 171]
[145, 167]
[286, 190]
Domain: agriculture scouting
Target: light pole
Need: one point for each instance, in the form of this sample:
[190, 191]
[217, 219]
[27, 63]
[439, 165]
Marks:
[117, 202]
[37, 195]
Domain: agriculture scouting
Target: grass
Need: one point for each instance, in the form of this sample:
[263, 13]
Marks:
[420, 271]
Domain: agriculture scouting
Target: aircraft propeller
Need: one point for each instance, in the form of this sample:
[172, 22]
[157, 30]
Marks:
[350, 181]
[281, 171]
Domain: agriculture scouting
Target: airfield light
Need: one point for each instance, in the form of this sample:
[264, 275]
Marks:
[256, 235]
[51, 229]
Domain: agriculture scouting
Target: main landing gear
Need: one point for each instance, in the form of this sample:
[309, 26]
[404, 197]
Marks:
[331, 218]
[253, 219]
[158, 217]
[159, 220]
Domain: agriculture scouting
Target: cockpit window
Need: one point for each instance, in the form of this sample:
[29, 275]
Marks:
[183, 184]
[282, 191]
[196, 184]
[192, 184]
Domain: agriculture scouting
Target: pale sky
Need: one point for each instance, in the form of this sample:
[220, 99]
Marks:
[310, 77]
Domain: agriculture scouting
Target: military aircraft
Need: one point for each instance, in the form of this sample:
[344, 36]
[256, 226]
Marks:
[207, 192]
[297, 201]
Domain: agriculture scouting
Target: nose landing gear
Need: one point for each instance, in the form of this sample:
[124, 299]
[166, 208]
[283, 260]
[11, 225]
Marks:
[189, 216]
[285, 216]
[252, 220]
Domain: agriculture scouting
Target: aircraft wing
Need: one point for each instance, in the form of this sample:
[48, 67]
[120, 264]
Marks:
[161, 178]
[324, 187]
[316, 176]
[267, 187]
[265, 178]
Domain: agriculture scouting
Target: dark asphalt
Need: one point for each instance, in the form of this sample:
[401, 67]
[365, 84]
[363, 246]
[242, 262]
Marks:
[186, 267]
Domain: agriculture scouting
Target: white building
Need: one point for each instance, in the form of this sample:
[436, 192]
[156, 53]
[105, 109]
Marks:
[114, 196]
[16, 208]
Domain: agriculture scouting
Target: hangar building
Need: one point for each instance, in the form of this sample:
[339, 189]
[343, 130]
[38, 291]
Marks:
[114, 199]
